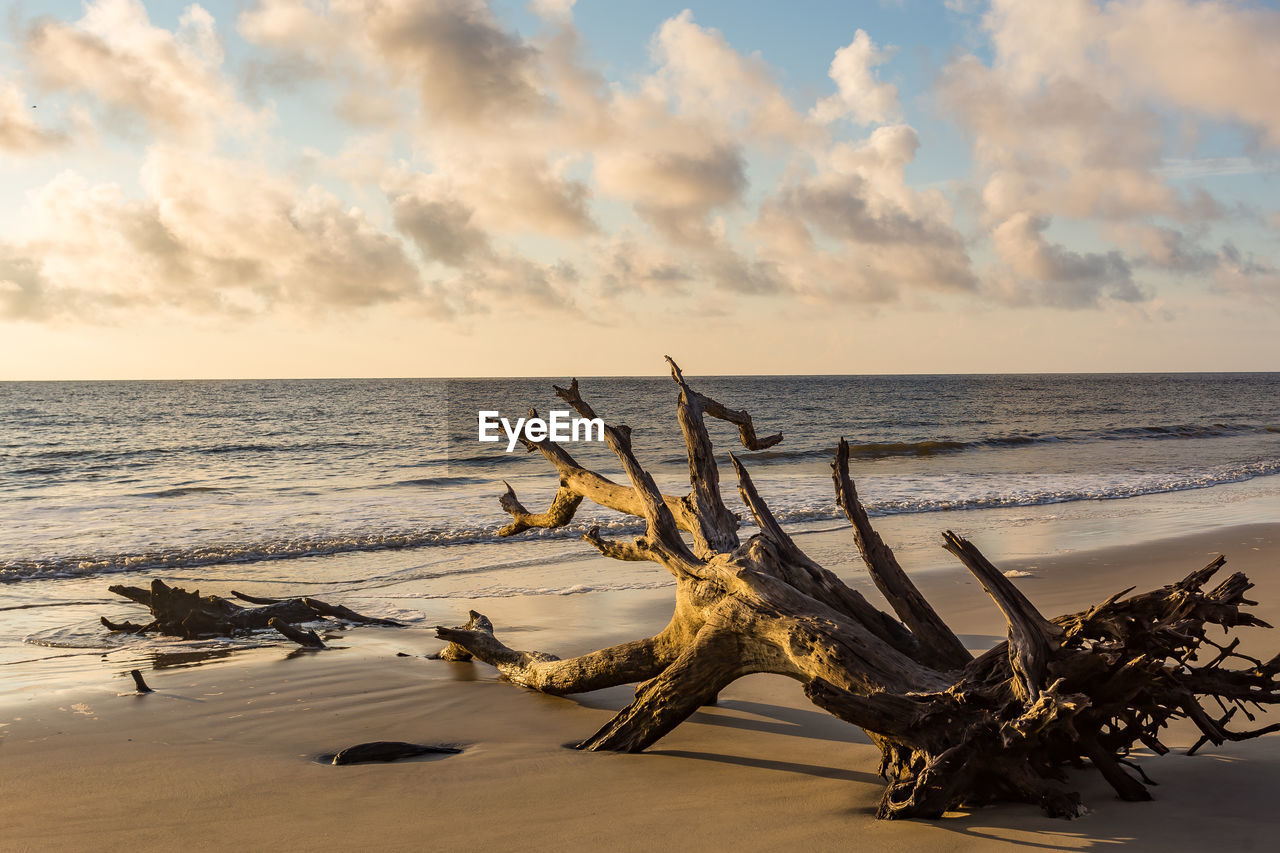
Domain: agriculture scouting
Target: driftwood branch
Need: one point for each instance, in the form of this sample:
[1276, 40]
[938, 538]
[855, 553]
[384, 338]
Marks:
[701, 513]
[179, 613]
[138, 681]
[1082, 689]
[938, 644]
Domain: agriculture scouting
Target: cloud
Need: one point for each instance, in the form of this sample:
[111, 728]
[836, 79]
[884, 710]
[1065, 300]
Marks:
[675, 187]
[1041, 272]
[509, 280]
[496, 166]
[626, 265]
[1061, 147]
[1241, 275]
[480, 273]
[557, 11]
[517, 194]
[1068, 120]
[673, 146]
[1068, 110]
[19, 131]
[23, 290]
[439, 224]
[676, 146]
[1167, 248]
[1216, 58]
[860, 97]
[858, 196]
[700, 75]
[209, 235]
[1202, 167]
[171, 80]
[463, 66]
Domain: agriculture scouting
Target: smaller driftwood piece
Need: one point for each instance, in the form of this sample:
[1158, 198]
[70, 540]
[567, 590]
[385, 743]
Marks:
[385, 751]
[178, 613]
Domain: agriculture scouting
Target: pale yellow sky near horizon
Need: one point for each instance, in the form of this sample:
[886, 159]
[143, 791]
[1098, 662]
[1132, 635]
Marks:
[755, 340]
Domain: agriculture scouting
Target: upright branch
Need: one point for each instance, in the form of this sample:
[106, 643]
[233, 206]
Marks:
[938, 643]
[701, 513]
[953, 730]
[1032, 638]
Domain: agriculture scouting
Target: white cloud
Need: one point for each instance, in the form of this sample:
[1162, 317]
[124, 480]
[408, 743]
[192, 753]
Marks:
[171, 80]
[860, 97]
[439, 223]
[1068, 121]
[464, 67]
[559, 11]
[1046, 273]
[1061, 147]
[700, 75]
[1242, 275]
[1216, 58]
[20, 133]
[209, 234]
[550, 140]
[496, 165]
[891, 236]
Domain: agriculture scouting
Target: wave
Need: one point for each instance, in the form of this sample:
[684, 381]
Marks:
[486, 460]
[1157, 485]
[802, 508]
[181, 491]
[934, 447]
[500, 591]
[96, 462]
[101, 454]
[439, 481]
[286, 549]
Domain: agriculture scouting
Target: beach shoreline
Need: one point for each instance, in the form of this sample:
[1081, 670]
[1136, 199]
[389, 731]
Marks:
[224, 750]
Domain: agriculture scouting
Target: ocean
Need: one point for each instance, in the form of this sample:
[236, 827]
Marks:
[375, 493]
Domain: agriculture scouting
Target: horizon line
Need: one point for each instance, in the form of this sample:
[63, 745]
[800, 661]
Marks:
[659, 375]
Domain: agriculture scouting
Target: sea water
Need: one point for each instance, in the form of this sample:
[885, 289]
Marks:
[370, 491]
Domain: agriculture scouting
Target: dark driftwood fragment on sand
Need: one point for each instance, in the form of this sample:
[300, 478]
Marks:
[388, 750]
[304, 637]
[953, 730]
[138, 682]
[179, 613]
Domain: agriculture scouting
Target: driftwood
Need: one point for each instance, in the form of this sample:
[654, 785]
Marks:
[386, 750]
[138, 681]
[179, 613]
[1083, 689]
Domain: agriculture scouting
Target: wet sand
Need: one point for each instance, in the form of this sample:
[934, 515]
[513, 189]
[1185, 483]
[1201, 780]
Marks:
[222, 754]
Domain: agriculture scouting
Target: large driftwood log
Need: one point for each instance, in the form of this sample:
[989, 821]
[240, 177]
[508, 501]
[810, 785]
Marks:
[953, 730]
[179, 613]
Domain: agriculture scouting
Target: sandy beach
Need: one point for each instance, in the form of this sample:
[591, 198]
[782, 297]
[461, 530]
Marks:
[223, 753]
[325, 323]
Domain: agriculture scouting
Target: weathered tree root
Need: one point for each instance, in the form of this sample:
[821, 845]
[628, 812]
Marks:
[953, 730]
[179, 613]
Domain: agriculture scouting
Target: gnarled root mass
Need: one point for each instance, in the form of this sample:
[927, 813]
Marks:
[179, 613]
[953, 730]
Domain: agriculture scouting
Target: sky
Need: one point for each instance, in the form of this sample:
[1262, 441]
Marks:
[334, 188]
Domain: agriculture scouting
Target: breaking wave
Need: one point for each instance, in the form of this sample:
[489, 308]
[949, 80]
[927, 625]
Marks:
[799, 507]
[882, 450]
